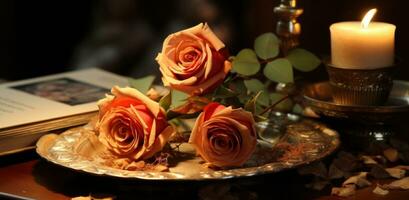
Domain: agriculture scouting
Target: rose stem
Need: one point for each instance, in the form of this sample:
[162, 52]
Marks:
[274, 104]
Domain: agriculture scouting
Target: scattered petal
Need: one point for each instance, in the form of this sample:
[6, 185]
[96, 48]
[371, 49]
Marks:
[402, 184]
[309, 112]
[160, 168]
[380, 159]
[90, 198]
[343, 191]
[358, 180]
[396, 172]
[135, 166]
[378, 190]
[368, 160]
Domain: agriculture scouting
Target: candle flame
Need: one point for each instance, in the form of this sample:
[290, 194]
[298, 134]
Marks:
[368, 17]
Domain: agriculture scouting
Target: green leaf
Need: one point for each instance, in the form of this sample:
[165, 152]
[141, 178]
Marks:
[246, 63]
[243, 98]
[224, 92]
[166, 101]
[251, 104]
[267, 46]
[178, 98]
[303, 60]
[285, 105]
[297, 109]
[264, 99]
[254, 85]
[279, 70]
[238, 86]
[142, 84]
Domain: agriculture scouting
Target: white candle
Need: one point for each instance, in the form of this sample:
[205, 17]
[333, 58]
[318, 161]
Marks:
[362, 45]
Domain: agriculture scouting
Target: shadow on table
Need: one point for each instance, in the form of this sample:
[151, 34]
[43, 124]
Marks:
[284, 185]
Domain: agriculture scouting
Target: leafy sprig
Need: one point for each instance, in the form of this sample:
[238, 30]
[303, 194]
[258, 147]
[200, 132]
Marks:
[251, 84]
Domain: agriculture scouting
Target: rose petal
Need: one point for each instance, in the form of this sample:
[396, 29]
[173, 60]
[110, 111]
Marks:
[160, 142]
[127, 91]
[205, 31]
[402, 184]
[378, 190]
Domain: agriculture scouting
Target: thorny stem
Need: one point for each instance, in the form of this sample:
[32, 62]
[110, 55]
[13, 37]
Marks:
[274, 104]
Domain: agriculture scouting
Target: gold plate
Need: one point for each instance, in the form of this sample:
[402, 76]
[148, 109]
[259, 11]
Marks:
[288, 142]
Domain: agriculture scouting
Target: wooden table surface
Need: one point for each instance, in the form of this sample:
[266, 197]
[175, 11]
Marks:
[25, 174]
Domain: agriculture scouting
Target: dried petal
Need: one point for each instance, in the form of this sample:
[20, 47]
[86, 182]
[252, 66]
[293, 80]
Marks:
[160, 168]
[368, 160]
[378, 190]
[396, 172]
[343, 191]
[391, 154]
[90, 198]
[309, 112]
[135, 166]
[358, 180]
[81, 198]
[402, 184]
[404, 167]
[121, 163]
[380, 159]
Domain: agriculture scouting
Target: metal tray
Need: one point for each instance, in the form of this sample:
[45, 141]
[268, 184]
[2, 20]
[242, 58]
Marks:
[287, 141]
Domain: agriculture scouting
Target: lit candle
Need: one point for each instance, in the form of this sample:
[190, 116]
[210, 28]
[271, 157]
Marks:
[362, 45]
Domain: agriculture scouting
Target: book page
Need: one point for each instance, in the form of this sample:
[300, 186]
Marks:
[54, 96]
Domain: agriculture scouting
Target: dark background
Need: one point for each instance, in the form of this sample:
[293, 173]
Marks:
[45, 37]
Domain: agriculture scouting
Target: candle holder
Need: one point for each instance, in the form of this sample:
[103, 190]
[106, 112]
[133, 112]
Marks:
[360, 86]
[288, 28]
[361, 124]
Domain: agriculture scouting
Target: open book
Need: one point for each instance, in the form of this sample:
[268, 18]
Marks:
[30, 108]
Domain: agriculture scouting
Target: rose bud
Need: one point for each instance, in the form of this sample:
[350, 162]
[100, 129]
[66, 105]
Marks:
[132, 125]
[223, 136]
[193, 61]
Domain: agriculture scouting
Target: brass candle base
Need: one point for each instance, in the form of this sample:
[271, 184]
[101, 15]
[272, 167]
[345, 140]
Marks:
[360, 86]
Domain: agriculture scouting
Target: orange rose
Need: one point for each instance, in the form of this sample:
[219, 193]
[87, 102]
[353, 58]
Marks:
[132, 125]
[223, 136]
[193, 61]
